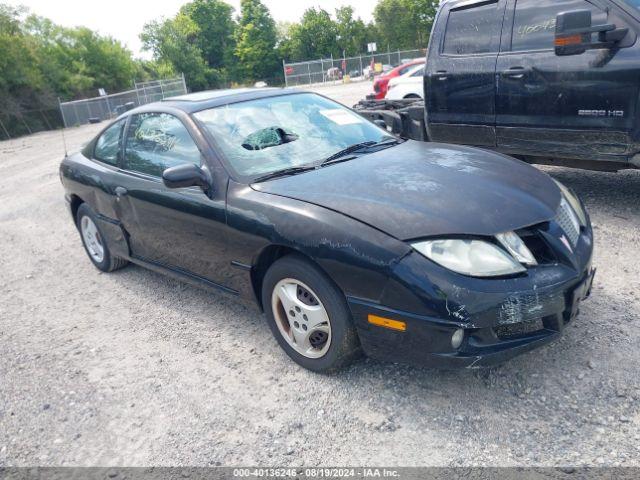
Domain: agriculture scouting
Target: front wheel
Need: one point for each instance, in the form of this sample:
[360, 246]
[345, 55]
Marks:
[308, 315]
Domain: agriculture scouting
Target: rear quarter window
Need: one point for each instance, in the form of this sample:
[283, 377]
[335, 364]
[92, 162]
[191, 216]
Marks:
[107, 146]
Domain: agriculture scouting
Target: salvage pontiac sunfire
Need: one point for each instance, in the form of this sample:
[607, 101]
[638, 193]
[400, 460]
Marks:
[349, 239]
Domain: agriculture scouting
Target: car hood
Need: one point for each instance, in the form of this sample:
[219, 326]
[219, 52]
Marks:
[420, 189]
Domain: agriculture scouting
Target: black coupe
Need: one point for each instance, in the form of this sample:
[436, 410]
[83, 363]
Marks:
[348, 238]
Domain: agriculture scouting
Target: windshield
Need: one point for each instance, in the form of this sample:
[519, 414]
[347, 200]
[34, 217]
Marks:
[263, 136]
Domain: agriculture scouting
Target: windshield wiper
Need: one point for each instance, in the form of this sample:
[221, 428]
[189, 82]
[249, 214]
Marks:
[350, 149]
[284, 173]
[341, 156]
[389, 143]
[360, 146]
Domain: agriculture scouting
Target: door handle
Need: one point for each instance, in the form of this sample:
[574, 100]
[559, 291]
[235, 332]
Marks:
[517, 73]
[121, 192]
[441, 75]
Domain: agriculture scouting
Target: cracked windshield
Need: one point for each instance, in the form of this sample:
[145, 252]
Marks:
[264, 136]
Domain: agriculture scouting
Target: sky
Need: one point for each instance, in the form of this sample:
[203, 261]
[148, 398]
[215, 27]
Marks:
[124, 19]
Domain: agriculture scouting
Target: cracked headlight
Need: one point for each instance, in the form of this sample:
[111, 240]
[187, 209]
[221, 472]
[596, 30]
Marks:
[516, 247]
[576, 206]
[475, 258]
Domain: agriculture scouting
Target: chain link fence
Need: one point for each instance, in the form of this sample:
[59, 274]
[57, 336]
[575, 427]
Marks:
[93, 110]
[333, 70]
[26, 122]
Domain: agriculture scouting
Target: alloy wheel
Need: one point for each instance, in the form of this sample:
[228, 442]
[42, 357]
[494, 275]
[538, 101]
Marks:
[301, 318]
[92, 239]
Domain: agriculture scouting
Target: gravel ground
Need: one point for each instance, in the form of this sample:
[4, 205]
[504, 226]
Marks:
[135, 369]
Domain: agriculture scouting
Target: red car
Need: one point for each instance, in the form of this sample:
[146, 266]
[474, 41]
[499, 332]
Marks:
[381, 83]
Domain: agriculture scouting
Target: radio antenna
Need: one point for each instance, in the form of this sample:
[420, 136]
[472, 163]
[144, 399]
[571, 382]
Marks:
[64, 124]
[64, 143]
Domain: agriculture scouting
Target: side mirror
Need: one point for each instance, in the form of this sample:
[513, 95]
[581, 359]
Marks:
[574, 33]
[188, 175]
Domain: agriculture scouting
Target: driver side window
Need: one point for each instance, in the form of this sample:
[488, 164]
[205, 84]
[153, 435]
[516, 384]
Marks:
[157, 141]
[534, 24]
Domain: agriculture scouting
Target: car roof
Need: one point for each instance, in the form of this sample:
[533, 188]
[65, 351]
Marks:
[194, 102]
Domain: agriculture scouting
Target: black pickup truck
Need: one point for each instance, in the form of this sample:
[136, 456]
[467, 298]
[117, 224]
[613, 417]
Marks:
[547, 81]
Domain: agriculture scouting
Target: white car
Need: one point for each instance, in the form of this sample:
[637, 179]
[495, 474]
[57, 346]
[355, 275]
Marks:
[409, 85]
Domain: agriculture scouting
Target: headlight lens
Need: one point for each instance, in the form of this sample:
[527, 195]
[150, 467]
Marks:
[475, 258]
[576, 206]
[516, 247]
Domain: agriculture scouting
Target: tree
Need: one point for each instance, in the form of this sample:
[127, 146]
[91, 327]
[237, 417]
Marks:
[40, 61]
[77, 61]
[424, 13]
[104, 60]
[216, 28]
[396, 24]
[21, 81]
[314, 37]
[405, 23]
[174, 43]
[198, 41]
[256, 38]
[352, 33]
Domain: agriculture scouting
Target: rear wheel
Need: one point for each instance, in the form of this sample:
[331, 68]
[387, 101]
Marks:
[308, 315]
[95, 242]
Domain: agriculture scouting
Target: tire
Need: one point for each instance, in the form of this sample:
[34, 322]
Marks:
[94, 241]
[412, 96]
[342, 346]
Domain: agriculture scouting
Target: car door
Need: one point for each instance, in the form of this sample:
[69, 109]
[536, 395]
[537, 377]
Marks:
[180, 229]
[579, 106]
[460, 75]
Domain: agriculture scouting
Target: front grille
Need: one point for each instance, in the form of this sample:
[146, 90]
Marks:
[505, 332]
[537, 245]
[567, 220]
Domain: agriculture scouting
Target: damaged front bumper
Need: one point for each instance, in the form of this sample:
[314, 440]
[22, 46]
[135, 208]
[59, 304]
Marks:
[428, 340]
[500, 318]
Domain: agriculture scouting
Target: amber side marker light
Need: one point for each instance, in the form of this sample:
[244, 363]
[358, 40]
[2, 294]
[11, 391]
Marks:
[387, 323]
[569, 41]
